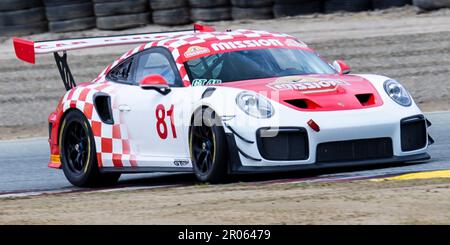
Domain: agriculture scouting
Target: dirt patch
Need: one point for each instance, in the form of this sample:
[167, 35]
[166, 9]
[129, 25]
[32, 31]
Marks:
[410, 47]
[360, 202]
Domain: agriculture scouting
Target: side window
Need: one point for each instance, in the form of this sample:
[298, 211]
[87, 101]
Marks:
[156, 62]
[122, 72]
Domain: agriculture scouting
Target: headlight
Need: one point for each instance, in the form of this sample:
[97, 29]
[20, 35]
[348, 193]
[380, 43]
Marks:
[254, 104]
[397, 93]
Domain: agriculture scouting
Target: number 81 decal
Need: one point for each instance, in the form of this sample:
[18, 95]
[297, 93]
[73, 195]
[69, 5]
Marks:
[161, 126]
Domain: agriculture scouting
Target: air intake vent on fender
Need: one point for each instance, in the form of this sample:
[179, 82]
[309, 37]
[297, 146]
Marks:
[102, 103]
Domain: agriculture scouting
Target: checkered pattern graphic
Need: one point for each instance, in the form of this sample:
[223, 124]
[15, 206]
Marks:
[113, 144]
[175, 42]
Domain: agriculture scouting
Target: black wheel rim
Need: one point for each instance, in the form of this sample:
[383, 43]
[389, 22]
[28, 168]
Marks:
[203, 148]
[76, 147]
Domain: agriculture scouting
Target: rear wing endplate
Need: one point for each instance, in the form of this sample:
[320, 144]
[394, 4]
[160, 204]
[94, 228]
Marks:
[27, 50]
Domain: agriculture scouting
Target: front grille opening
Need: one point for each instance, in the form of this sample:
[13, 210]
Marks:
[354, 150]
[413, 133]
[366, 99]
[288, 144]
[303, 104]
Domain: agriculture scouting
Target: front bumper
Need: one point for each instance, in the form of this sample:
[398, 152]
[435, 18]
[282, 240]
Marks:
[344, 126]
[236, 166]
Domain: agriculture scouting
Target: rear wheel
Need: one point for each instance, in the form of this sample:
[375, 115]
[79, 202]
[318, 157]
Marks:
[208, 147]
[78, 154]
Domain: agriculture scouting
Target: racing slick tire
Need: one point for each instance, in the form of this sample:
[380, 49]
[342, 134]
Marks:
[64, 2]
[208, 147]
[164, 4]
[78, 154]
[105, 1]
[210, 14]
[251, 3]
[122, 7]
[291, 1]
[208, 3]
[347, 5]
[28, 29]
[289, 9]
[251, 13]
[69, 12]
[120, 22]
[431, 4]
[177, 16]
[22, 17]
[384, 4]
[12, 5]
[72, 25]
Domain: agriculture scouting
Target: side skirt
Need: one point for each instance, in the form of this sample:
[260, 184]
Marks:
[136, 170]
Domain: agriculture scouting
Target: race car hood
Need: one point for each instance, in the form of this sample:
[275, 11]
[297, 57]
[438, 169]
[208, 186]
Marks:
[315, 92]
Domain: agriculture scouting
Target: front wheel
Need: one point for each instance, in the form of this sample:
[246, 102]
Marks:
[208, 147]
[78, 154]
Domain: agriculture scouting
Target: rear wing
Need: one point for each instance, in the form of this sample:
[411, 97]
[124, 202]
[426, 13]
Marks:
[27, 50]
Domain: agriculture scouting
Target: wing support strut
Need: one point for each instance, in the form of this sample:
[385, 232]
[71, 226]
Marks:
[64, 70]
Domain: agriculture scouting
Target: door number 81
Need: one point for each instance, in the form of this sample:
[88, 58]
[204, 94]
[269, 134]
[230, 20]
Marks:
[161, 126]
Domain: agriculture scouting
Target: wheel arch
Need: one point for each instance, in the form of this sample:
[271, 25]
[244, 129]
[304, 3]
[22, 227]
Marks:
[191, 121]
[61, 121]
[202, 107]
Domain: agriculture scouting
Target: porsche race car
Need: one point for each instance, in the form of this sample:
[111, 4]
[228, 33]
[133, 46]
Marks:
[218, 103]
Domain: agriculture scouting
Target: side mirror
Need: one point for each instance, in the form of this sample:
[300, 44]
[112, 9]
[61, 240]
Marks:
[341, 67]
[155, 82]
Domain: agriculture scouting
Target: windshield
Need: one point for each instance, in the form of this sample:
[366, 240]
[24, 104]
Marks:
[254, 64]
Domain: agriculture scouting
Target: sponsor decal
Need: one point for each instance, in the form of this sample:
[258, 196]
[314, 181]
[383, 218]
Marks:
[59, 45]
[196, 50]
[306, 84]
[295, 43]
[246, 44]
[203, 82]
[180, 163]
[106, 41]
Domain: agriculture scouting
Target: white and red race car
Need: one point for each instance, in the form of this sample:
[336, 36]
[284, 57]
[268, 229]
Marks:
[217, 103]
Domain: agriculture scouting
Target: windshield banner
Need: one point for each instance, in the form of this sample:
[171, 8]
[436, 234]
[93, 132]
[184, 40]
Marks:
[238, 44]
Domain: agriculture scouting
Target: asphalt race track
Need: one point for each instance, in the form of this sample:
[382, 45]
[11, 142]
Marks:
[23, 165]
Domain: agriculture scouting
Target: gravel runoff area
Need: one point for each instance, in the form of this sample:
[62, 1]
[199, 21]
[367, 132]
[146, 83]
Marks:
[361, 202]
[402, 43]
